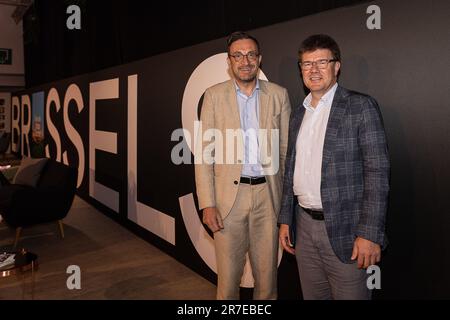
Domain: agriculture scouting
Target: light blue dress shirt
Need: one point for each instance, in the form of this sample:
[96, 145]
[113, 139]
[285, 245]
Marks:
[249, 114]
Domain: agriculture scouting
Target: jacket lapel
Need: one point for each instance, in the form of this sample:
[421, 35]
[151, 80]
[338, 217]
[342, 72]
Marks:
[296, 123]
[263, 105]
[234, 121]
[233, 106]
[336, 113]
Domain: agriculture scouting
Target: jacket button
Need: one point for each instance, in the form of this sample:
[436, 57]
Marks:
[235, 182]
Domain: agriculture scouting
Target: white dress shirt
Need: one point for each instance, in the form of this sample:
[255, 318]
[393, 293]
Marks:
[309, 150]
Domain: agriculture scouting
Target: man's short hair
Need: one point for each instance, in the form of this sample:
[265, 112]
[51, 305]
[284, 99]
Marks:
[320, 41]
[239, 35]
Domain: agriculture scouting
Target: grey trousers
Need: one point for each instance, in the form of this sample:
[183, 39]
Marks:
[322, 275]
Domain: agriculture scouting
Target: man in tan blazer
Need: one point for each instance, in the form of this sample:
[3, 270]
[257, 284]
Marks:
[239, 165]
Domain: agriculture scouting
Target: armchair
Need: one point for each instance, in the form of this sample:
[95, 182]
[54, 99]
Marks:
[50, 200]
[5, 139]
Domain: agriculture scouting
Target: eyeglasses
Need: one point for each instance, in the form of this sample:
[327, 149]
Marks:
[321, 64]
[238, 56]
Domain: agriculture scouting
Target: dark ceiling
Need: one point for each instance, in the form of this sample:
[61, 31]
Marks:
[116, 32]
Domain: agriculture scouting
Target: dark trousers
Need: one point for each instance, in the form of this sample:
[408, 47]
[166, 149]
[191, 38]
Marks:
[322, 275]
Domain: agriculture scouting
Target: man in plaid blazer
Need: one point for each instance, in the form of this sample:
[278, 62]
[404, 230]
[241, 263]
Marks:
[336, 180]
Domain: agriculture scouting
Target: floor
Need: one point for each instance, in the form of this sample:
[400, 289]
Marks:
[113, 262]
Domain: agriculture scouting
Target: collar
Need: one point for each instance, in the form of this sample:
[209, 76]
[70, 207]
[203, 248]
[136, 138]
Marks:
[239, 89]
[324, 99]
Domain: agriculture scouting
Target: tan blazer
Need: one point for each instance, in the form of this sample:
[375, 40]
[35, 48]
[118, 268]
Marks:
[217, 182]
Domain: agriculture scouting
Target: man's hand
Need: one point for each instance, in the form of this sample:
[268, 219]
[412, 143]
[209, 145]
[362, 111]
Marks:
[285, 238]
[212, 219]
[367, 252]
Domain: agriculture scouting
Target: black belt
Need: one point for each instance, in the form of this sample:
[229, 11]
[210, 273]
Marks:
[257, 180]
[315, 214]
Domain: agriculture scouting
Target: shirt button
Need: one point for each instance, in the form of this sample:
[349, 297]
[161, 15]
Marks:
[235, 182]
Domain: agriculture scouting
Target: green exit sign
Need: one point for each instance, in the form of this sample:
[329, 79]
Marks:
[5, 56]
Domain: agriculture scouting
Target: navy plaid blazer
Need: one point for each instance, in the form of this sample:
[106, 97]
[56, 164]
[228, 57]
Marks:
[355, 172]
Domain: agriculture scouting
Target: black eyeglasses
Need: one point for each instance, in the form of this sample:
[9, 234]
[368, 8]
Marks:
[321, 64]
[251, 56]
